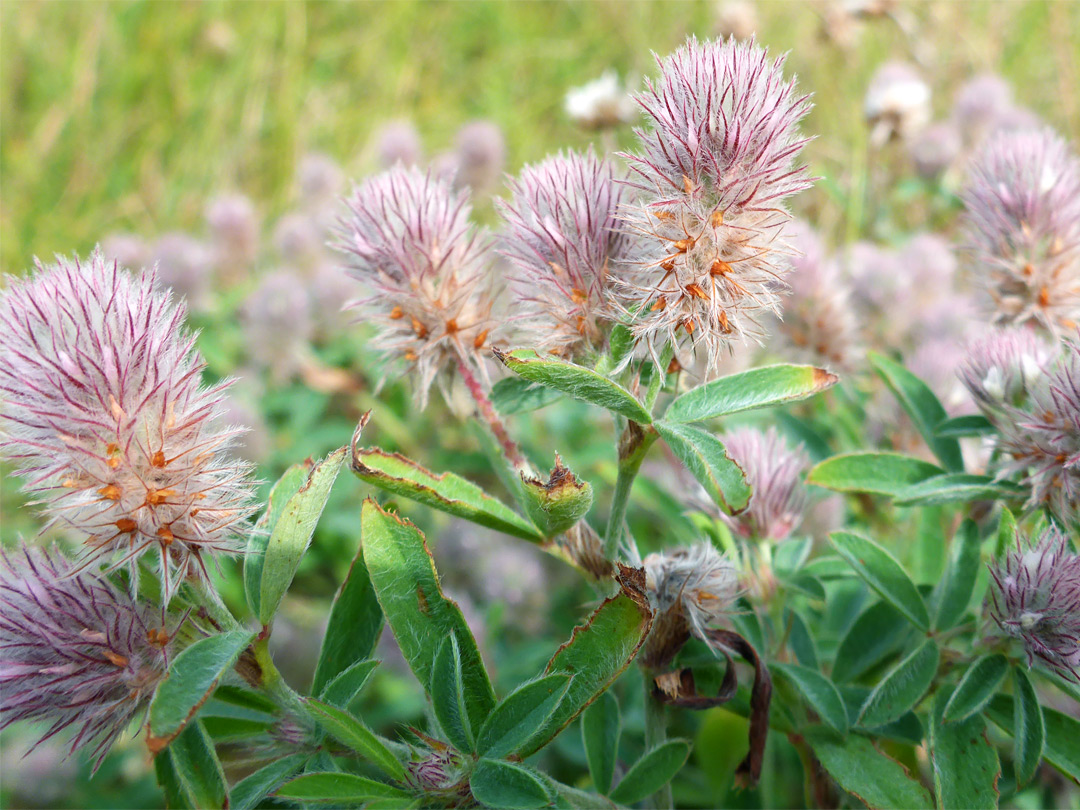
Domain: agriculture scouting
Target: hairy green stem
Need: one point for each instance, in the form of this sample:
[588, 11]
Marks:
[633, 445]
[655, 734]
[272, 681]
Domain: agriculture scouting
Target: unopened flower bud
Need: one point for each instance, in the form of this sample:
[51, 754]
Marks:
[1035, 597]
[558, 503]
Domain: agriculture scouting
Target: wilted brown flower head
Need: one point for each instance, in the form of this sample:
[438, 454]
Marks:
[408, 238]
[690, 588]
[103, 413]
[714, 170]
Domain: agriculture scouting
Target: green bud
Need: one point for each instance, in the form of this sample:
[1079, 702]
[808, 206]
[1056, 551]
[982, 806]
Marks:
[558, 503]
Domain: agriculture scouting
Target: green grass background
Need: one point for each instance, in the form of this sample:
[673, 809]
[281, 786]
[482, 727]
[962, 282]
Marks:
[128, 116]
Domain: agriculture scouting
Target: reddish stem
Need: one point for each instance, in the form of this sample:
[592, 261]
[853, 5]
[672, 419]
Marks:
[487, 410]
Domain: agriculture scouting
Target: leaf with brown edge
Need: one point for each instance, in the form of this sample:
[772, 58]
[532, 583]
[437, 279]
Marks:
[598, 652]
[749, 770]
[407, 587]
[446, 492]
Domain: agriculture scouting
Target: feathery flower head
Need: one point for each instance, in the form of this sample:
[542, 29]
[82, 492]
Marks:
[897, 103]
[398, 142]
[713, 173]
[76, 651]
[407, 237]
[563, 239]
[601, 103]
[102, 410]
[1000, 368]
[1023, 228]
[818, 324]
[773, 470]
[690, 588]
[1035, 597]
[1042, 440]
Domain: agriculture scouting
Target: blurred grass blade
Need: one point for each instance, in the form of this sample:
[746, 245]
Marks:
[959, 582]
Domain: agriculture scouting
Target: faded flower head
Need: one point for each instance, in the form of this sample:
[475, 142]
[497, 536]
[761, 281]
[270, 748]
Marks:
[897, 103]
[690, 589]
[934, 150]
[234, 226]
[1000, 368]
[736, 18]
[407, 237]
[481, 155]
[1035, 597]
[774, 472]
[602, 103]
[103, 412]
[714, 171]
[398, 142]
[127, 249]
[1023, 228]
[981, 104]
[320, 179]
[277, 322]
[76, 651]
[299, 239]
[818, 324]
[185, 265]
[563, 240]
